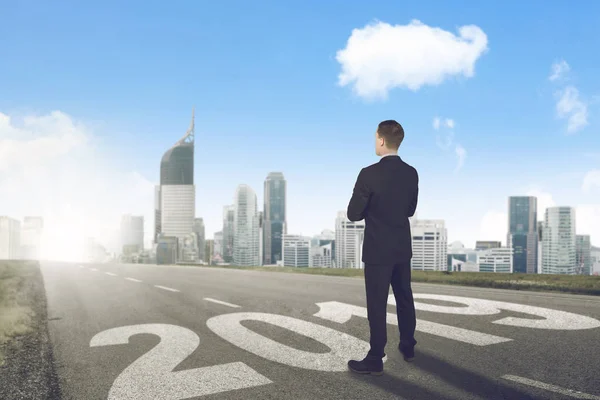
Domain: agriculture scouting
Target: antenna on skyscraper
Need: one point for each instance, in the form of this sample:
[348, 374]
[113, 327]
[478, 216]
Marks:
[189, 135]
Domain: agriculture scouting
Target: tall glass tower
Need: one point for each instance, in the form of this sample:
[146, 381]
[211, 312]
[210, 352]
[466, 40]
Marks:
[177, 194]
[559, 242]
[523, 233]
[274, 224]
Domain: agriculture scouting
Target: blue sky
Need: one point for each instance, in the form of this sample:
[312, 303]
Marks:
[263, 77]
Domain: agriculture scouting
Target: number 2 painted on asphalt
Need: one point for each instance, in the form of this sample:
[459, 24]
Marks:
[151, 376]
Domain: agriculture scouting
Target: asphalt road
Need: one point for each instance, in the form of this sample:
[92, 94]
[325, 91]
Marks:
[168, 332]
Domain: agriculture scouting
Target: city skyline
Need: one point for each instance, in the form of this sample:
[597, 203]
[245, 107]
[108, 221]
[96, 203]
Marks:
[515, 116]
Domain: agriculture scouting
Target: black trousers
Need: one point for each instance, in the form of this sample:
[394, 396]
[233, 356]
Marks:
[377, 284]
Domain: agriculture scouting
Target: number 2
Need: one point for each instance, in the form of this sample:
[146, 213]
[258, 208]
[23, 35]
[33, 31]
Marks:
[151, 376]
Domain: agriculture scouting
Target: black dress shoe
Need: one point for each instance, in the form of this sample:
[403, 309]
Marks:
[369, 365]
[407, 352]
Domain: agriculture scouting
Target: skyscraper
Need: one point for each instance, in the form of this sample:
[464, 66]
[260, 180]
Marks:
[177, 191]
[132, 233]
[523, 233]
[583, 250]
[349, 238]
[200, 236]
[559, 241]
[246, 250]
[274, 217]
[429, 245]
[228, 233]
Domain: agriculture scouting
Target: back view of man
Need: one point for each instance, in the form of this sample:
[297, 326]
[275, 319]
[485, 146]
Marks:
[385, 195]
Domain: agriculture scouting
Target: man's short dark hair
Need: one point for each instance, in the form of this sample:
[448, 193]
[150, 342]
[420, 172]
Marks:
[392, 132]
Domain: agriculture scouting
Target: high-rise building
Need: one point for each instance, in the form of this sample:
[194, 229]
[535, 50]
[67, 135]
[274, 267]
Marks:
[349, 237]
[429, 245]
[200, 232]
[209, 250]
[583, 249]
[246, 236]
[228, 233]
[559, 242]
[177, 190]
[487, 244]
[323, 249]
[275, 192]
[218, 245]
[157, 215]
[522, 233]
[595, 260]
[10, 238]
[296, 251]
[540, 230]
[496, 259]
[260, 225]
[132, 233]
[31, 238]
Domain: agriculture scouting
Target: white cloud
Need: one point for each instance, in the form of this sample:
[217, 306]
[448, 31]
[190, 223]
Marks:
[51, 166]
[380, 56]
[437, 123]
[591, 180]
[559, 69]
[494, 226]
[570, 106]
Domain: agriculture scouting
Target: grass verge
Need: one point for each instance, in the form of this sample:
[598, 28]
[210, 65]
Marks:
[576, 284]
[16, 313]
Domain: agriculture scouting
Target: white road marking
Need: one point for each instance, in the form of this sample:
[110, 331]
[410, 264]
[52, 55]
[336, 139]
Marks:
[110, 273]
[343, 346]
[133, 279]
[221, 302]
[552, 319]
[151, 376]
[342, 312]
[93, 269]
[551, 388]
[166, 288]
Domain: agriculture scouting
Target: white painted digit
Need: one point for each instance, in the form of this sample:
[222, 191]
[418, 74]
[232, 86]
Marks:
[552, 319]
[342, 312]
[151, 376]
[343, 346]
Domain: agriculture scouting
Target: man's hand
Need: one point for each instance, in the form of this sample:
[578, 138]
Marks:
[360, 198]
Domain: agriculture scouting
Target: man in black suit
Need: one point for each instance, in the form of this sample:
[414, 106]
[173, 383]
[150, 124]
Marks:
[385, 195]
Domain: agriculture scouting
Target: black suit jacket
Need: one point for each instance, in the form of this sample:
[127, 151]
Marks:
[385, 195]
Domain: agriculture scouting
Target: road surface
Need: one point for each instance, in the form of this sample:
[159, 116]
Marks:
[138, 332]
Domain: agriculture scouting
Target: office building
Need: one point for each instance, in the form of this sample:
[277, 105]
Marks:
[323, 249]
[157, 215]
[132, 233]
[487, 244]
[177, 190]
[260, 224]
[200, 232]
[296, 251]
[274, 227]
[228, 233]
[10, 238]
[522, 233]
[218, 245]
[429, 245]
[349, 238]
[496, 259]
[246, 251]
[540, 249]
[209, 250]
[31, 238]
[583, 249]
[559, 254]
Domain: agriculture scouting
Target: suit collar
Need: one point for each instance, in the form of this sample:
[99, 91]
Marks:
[390, 157]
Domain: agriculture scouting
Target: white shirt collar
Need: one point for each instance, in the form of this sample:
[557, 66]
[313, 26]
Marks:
[389, 154]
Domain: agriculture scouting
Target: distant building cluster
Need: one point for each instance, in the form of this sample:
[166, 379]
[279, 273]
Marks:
[251, 236]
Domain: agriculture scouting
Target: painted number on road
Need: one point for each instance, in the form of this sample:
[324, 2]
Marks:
[551, 319]
[342, 312]
[343, 346]
[151, 376]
